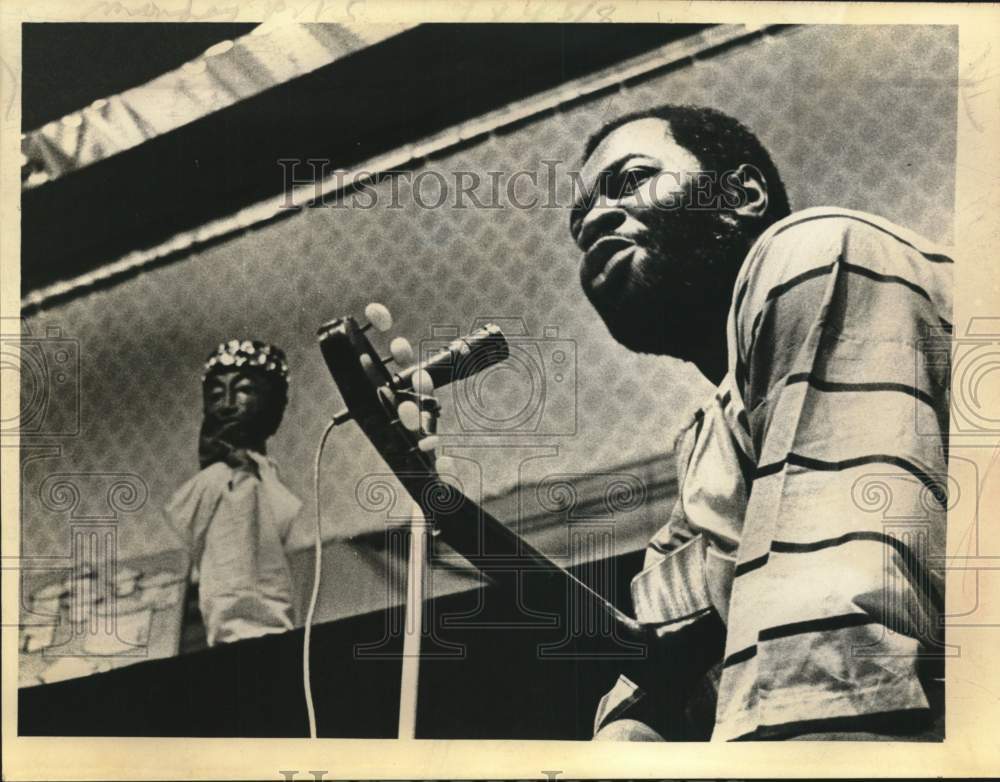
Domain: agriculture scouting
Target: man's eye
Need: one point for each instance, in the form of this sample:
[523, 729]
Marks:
[630, 180]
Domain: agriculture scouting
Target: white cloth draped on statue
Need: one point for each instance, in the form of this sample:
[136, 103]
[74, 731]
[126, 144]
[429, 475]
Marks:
[235, 524]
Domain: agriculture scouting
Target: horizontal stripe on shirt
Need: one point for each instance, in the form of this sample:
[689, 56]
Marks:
[840, 215]
[820, 271]
[910, 559]
[864, 271]
[938, 491]
[835, 387]
[838, 622]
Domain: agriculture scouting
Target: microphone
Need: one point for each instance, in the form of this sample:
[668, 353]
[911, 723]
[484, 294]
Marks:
[462, 358]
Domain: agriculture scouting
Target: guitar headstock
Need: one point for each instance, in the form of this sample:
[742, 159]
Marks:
[396, 407]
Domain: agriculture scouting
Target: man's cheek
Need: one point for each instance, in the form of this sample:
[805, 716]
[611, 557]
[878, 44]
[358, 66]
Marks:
[665, 191]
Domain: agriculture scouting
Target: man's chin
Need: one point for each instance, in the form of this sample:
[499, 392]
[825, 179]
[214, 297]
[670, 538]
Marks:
[637, 336]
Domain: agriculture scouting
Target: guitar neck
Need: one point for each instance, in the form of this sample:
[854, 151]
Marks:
[368, 392]
[498, 551]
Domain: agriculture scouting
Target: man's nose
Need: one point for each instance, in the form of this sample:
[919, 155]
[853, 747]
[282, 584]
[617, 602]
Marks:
[603, 218]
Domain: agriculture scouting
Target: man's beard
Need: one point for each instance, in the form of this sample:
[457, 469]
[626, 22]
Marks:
[679, 286]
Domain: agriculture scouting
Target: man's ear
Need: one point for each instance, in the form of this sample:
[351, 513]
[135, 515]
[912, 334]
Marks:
[754, 190]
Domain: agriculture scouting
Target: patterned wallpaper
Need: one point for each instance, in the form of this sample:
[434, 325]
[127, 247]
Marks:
[857, 117]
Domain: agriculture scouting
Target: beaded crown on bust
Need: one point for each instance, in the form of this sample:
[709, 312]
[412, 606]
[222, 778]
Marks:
[246, 354]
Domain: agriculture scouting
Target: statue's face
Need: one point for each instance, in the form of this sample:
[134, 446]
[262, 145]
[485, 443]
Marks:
[238, 409]
[234, 396]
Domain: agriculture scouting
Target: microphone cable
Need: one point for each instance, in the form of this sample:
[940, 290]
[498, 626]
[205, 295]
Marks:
[317, 568]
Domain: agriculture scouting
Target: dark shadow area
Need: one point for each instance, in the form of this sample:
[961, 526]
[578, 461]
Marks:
[479, 679]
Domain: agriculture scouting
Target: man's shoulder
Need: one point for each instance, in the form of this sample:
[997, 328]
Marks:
[826, 228]
[808, 242]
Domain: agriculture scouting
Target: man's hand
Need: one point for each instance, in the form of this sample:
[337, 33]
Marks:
[684, 655]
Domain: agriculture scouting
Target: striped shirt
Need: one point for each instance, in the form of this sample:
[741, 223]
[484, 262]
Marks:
[813, 484]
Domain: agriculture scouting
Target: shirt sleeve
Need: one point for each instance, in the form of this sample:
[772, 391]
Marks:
[671, 591]
[835, 342]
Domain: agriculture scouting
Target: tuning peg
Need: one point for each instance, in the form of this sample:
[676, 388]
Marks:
[422, 383]
[429, 443]
[401, 351]
[366, 361]
[378, 316]
[409, 415]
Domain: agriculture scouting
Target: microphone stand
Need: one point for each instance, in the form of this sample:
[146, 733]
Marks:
[413, 631]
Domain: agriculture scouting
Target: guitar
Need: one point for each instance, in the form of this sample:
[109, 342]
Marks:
[392, 409]
[397, 411]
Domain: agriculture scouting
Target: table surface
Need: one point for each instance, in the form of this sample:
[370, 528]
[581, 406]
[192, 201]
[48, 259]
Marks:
[93, 632]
